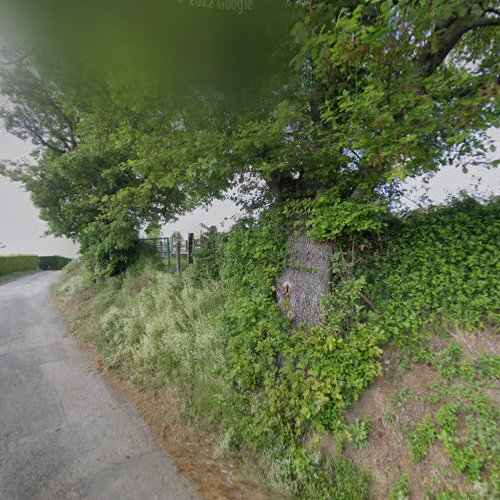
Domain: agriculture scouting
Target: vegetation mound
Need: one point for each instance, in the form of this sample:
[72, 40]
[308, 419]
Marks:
[394, 392]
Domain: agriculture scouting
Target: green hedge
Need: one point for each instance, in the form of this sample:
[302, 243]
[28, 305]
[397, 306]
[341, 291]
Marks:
[52, 263]
[15, 263]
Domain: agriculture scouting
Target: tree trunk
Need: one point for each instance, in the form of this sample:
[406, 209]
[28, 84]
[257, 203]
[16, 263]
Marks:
[305, 280]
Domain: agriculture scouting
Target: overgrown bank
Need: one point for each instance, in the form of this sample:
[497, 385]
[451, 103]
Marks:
[411, 300]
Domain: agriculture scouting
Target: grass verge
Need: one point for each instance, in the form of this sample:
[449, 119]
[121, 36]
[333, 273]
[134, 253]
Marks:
[153, 336]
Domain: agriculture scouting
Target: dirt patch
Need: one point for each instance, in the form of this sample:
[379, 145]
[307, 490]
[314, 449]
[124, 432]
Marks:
[392, 403]
[479, 343]
[474, 344]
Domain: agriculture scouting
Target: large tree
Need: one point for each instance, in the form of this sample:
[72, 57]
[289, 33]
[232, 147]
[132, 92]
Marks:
[373, 91]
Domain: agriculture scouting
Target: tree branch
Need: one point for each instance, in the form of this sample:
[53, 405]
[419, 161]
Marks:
[41, 140]
[455, 29]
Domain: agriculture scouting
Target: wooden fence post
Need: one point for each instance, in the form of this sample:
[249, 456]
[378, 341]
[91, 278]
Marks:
[169, 252]
[190, 248]
[179, 268]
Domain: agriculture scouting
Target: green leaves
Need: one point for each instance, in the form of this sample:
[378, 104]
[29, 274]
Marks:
[327, 216]
[438, 266]
[420, 438]
[362, 94]
[308, 376]
[385, 94]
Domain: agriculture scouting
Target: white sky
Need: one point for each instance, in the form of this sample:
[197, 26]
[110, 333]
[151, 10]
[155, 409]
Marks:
[21, 230]
[451, 180]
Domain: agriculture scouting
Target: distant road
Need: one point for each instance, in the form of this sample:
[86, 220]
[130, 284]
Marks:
[63, 434]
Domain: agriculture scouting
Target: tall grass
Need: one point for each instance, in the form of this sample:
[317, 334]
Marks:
[162, 330]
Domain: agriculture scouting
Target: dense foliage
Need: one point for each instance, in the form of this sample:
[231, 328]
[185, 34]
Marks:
[437, 268]
[305, 377]
[52, 262]
[216, 336]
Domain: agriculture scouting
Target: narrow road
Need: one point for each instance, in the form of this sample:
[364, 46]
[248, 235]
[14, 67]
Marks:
[63, 434]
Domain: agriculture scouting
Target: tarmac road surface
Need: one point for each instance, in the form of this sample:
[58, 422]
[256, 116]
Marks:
[63, 434]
